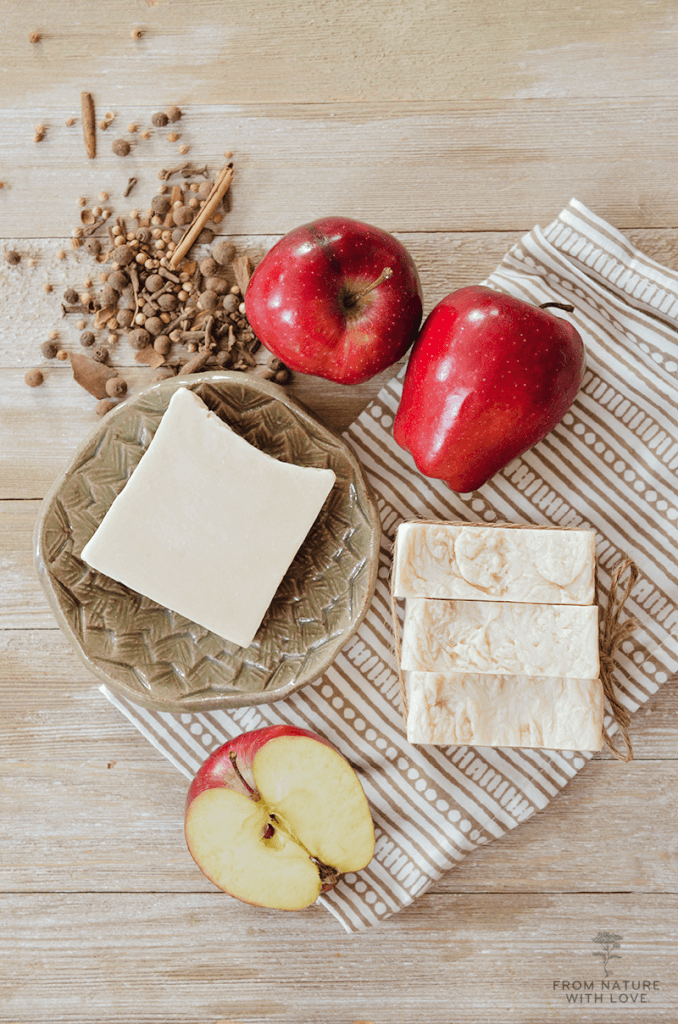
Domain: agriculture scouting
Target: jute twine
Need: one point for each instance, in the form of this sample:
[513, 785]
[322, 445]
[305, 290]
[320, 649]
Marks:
[612, 631]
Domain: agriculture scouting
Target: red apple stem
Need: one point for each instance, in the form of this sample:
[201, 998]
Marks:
[558, 305]
[384, 276]
[234, 761]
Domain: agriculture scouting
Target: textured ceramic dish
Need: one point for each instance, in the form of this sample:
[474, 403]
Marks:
[163, 660]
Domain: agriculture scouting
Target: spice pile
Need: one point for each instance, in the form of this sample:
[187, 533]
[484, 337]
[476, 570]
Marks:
[179, 314]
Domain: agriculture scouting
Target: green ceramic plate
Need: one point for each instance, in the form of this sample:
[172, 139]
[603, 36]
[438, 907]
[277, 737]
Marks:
[161, 659]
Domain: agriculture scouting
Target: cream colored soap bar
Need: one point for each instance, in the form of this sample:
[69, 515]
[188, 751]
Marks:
[501, 639]
[505, 711]
[443, 560]
[208, 525]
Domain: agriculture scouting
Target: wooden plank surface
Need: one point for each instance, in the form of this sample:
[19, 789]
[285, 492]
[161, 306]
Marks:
[484, 957]
[457, 124]
[482, 165]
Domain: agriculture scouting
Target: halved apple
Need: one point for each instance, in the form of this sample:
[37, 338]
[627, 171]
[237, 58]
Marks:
[275, 816]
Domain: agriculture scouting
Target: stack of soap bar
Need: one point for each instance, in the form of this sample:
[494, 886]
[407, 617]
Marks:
[501, 635]
[208, 525]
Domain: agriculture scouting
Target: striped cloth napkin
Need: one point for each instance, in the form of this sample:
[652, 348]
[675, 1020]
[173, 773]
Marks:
[609, 465]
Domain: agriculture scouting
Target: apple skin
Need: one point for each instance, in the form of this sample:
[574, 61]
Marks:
[218, 770]
[489, 376]
[303, 300]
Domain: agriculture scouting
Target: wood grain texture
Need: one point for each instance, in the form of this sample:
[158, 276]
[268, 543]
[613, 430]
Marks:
[483, 165]
[221, 51]
[467, 958]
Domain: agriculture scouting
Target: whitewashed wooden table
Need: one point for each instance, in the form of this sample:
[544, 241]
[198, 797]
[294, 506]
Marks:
[456, 124]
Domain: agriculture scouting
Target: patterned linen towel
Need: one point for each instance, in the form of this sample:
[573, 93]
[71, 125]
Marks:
[610, 465]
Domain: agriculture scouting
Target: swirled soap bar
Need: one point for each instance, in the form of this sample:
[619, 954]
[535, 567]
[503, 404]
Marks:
[505, 711]
[475, 562]
[207, 524]
[500, 638]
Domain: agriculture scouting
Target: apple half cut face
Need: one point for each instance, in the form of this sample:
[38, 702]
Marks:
[306, 822]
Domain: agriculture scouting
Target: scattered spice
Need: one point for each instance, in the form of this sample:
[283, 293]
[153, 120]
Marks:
[49, 349]
[34, 378]
[103, 125]
[183, 149]
[223, 252]
[172, 137]
[34, 37]
[47, 288]
[116, 387]
[173, 114]
[62, 354]
[156, 295]
[70, 121]
[40, 130]
[136, 33]
[104, 406]
[13, 257]
[131, 127]
[88, 124]
[242, 268]
[219, 190]
[90, 375]
[121, 147]
[159, 120]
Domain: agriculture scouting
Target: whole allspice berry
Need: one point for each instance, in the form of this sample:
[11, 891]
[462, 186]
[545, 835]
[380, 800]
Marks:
[124, 254]
[154, 325]
[183, 215]
[139, 338]
[100, 354]
[160, 204]
[173, 114]
[125, 317]
[116, 387]
[71, 296]
[104, 406]
[162, 344]
[49, 349]
[13, 257]
[159, 119]
[208, 267]
[34, 378]
[86, 339]
[121, 147]
[223, 252]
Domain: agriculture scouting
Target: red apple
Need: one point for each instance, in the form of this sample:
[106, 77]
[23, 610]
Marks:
[489, 376]
[336, 298]
[275, 816]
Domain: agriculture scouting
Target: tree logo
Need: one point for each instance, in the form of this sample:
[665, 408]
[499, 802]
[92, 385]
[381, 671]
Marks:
[609, 941]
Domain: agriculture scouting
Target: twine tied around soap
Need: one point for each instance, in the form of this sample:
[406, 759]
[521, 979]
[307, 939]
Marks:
[613, 632]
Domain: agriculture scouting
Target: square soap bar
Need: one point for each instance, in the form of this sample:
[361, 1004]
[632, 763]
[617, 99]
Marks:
[505, 711]
[207, 524]
[495, 638]
[446, 560]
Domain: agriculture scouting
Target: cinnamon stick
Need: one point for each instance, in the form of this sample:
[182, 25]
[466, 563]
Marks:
[88, 124]
[219, 190]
